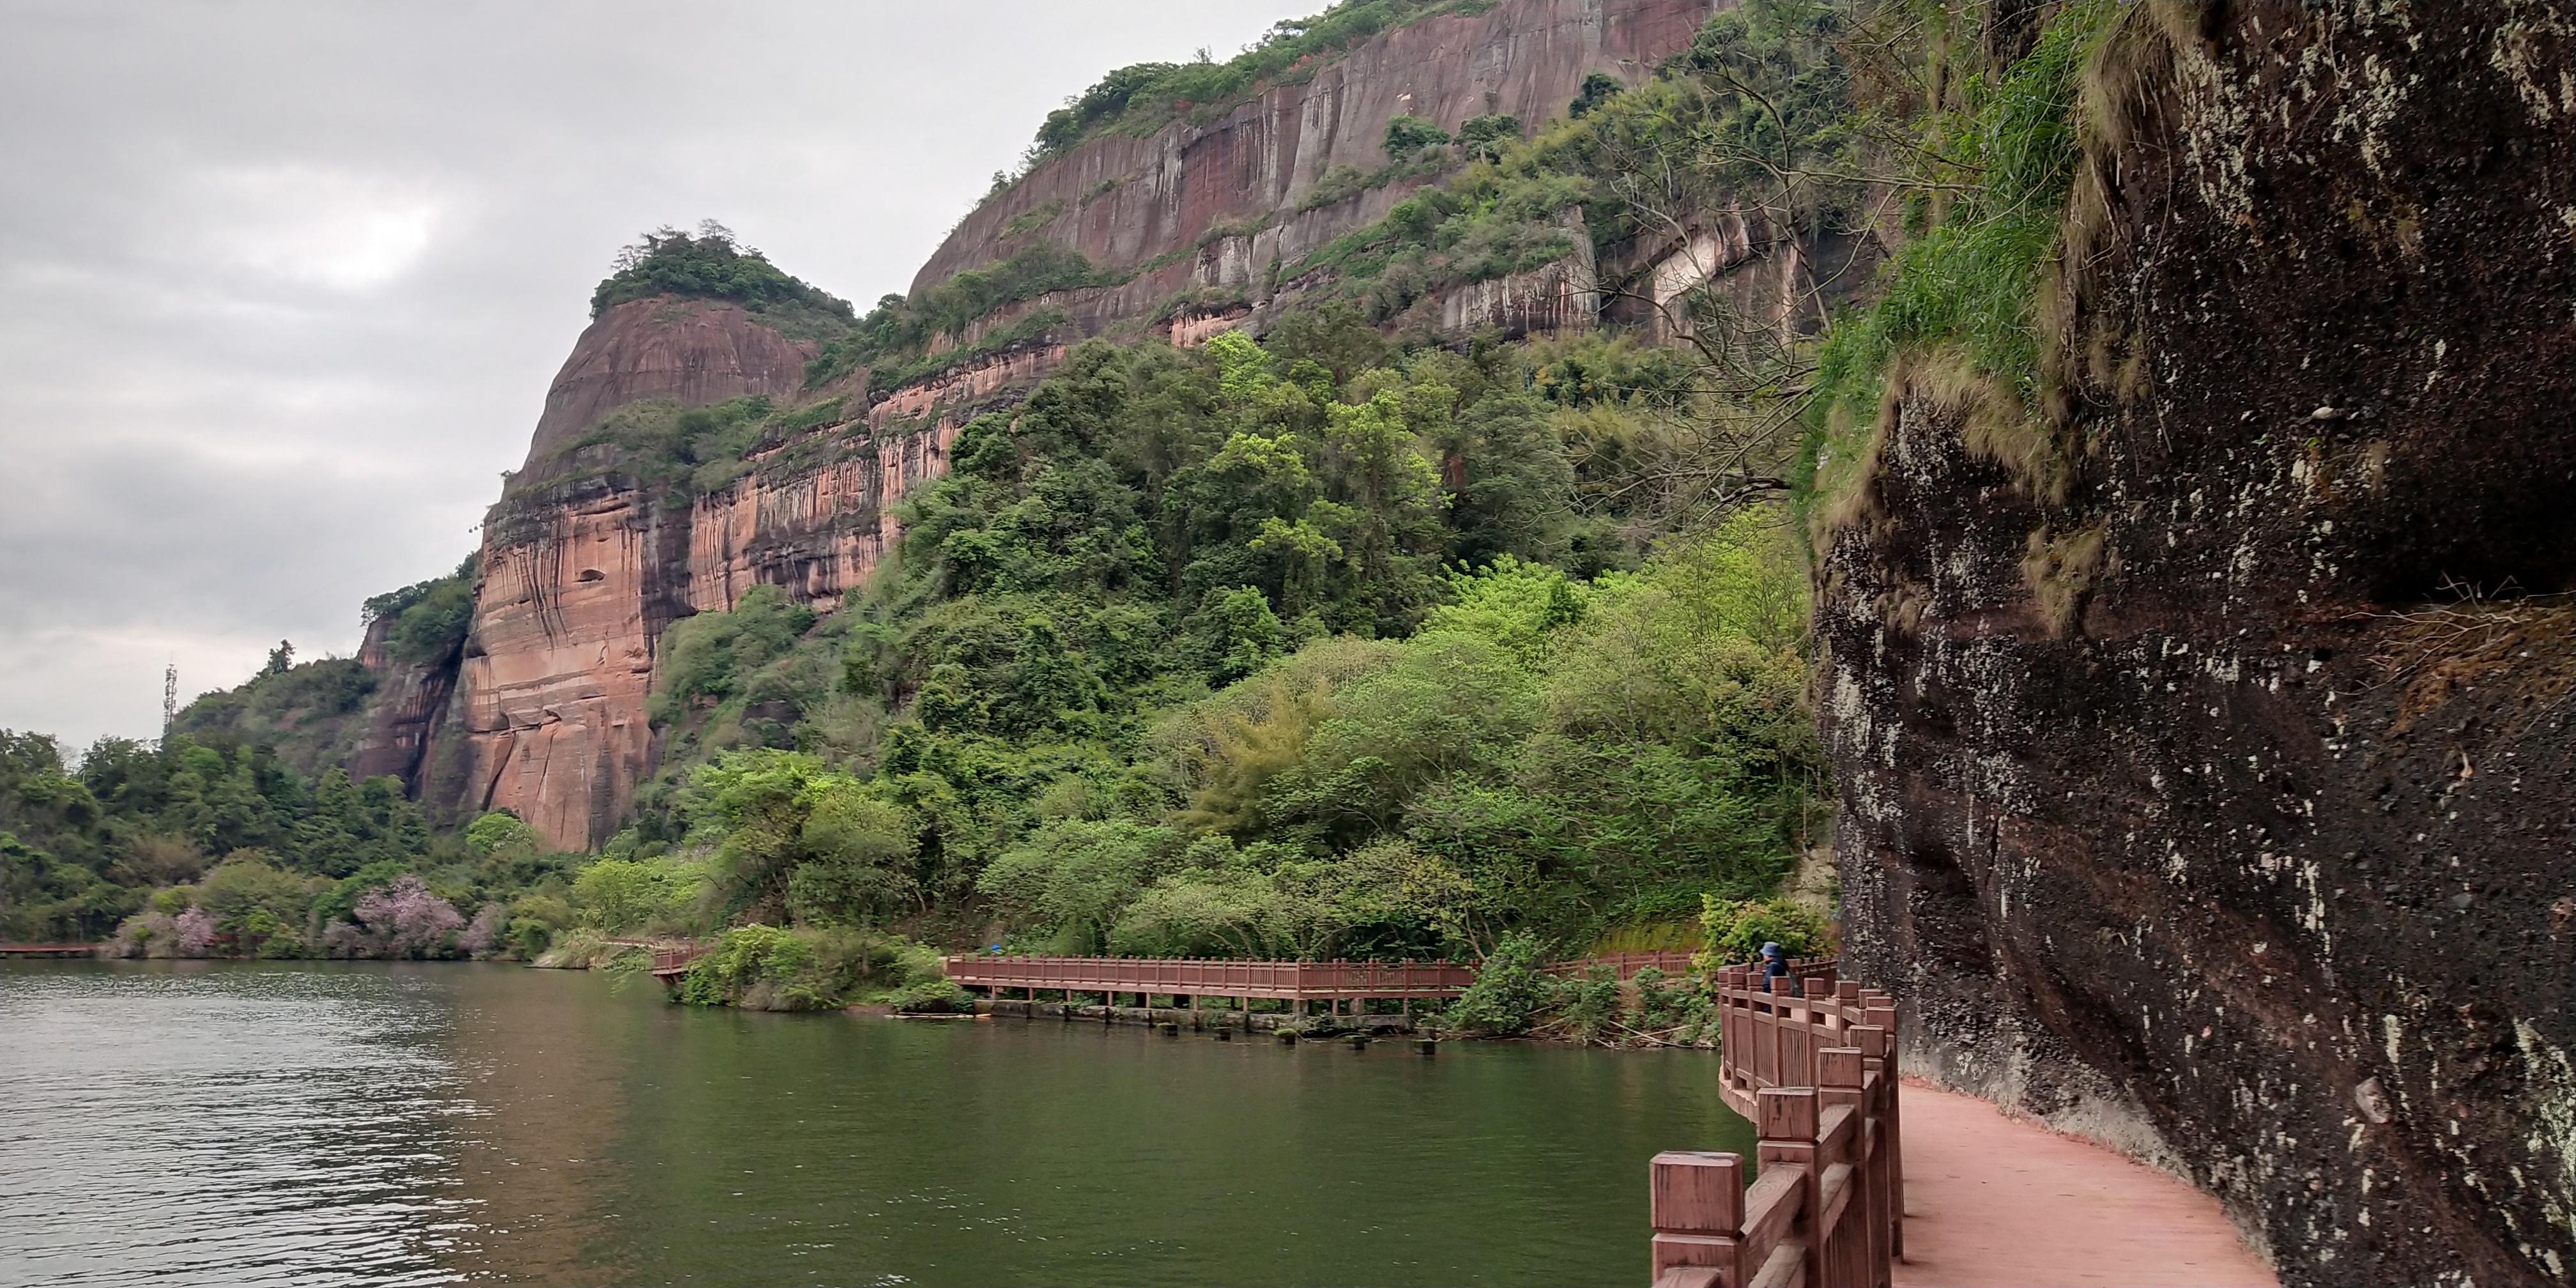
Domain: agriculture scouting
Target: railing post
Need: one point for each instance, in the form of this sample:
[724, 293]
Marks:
[1885, 1188]
[1788, 1124]
[1698, 1213]
[1881, 1011]
[1838, 1082]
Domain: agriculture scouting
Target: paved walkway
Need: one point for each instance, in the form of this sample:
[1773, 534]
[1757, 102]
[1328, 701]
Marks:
[1996, 1202]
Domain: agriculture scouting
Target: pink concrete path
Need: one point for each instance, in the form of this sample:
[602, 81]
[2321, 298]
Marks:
[1996, 1202]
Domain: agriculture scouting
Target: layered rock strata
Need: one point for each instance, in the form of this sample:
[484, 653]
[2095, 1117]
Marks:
[2205, 747]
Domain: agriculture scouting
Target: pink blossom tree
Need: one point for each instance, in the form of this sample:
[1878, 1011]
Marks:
[483, 934]
[193, 932]
[400, 920]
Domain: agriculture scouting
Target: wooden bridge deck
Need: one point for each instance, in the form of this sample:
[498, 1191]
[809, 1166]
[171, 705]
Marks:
[1996, 1200]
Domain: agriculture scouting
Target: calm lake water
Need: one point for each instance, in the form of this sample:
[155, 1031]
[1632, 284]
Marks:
[212, 1123]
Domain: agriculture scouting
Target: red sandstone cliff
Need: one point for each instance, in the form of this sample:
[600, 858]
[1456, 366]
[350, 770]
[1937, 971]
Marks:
[583, 568]
[692, 352]
[1126, 202]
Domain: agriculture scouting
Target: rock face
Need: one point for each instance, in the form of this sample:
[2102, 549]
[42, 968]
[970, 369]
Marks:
[1170, 199]
[692, 352]
[406, 709]
[584, 567]
[2189, 796]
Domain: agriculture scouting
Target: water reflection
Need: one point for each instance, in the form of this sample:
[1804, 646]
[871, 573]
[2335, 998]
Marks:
[430, 1124]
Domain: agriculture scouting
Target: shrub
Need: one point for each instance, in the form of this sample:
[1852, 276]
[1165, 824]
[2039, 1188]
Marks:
[710, 265]
[933, 997]
[1484, 136]
[1737, 929]
[1407, 135]
[1659, 1005]
[765, 968]
[1511, 988]
[1597, 89]
[1588, 1007]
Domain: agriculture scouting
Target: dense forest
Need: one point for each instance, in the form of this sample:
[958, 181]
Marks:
[1351, 639]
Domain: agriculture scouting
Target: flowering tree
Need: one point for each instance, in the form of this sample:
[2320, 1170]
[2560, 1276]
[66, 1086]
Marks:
[400, 920]
[483, 934]
[193, 932]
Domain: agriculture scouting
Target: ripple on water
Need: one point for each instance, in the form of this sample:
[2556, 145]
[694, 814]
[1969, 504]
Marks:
[224, 1126]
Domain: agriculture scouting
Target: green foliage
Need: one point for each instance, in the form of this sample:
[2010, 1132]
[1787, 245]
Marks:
[1969, 282]
[1512, 988]
[893, 339]
[1598, 87]
[430, 618]
[766, 968]
[501, 832]
[718, 655]
[124, 844]
[692, 449]
[1408, 135]
[627, 896]
[1482, 137]
[790, 836]
[1589, 1006]
[711, 265]
[1737, 929]
[932, 997]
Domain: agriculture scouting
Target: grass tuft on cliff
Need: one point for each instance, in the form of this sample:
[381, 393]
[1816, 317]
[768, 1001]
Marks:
[2000, 160]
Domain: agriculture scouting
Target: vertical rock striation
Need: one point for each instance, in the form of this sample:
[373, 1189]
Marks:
[2208, 774]
[1216, 203]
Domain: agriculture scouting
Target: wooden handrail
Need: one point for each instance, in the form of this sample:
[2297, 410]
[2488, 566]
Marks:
[1197, 977]
[1810, 1063]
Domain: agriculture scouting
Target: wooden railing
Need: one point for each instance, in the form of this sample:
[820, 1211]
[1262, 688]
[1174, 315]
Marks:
[1193, 977]
[671, 957]
[1816, 1075]
[50, 950]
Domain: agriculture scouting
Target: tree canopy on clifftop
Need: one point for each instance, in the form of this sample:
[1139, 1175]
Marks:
[709, 265]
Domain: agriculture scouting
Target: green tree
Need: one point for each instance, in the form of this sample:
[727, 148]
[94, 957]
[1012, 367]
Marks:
[1408, 135]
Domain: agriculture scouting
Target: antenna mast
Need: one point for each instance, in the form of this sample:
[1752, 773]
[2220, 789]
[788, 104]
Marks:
[169, 698]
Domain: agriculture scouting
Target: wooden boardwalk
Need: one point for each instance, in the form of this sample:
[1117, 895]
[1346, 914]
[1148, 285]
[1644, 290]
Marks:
[1995, 1200]
[1956, 1194]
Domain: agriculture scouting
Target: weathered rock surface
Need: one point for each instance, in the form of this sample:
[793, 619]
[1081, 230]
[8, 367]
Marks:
[1169, 199]
[1124, 200]
[405, 711]
[2185, 798]
[692, 352]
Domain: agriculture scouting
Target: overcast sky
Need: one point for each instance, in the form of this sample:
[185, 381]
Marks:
[282, 284]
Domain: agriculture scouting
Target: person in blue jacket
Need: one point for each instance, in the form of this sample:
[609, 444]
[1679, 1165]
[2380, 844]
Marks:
[1775, 963]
